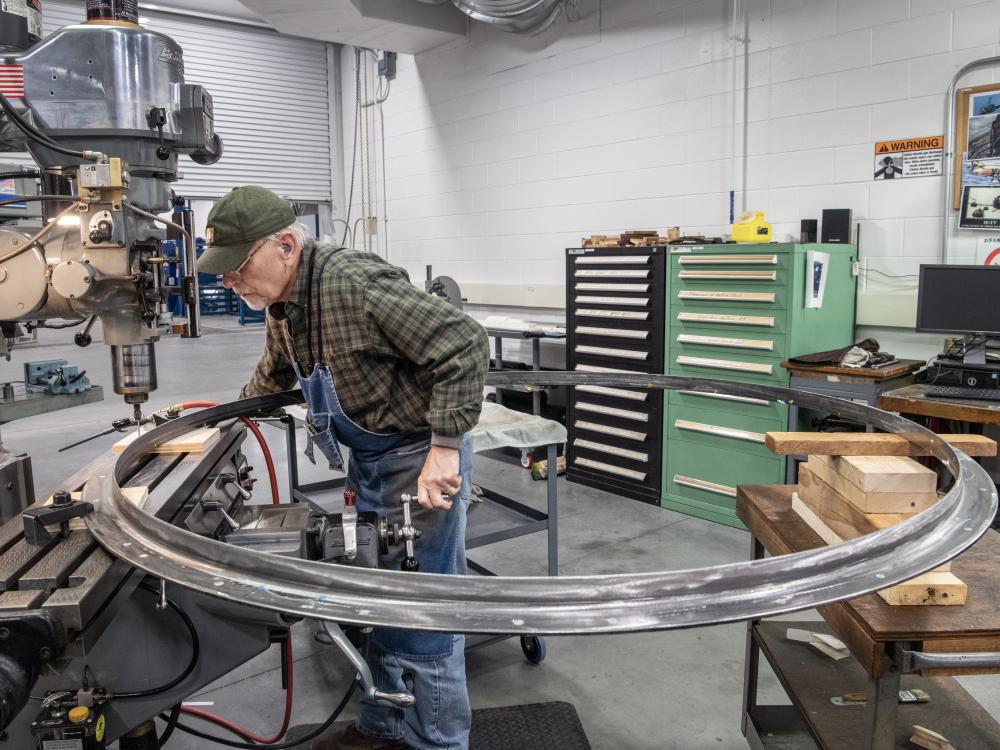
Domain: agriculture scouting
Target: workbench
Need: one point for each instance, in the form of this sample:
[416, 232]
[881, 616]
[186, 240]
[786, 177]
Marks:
[913, 399]
[886, 642]
[863, 384]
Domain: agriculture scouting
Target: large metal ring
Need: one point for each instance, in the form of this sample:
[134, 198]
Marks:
[570, 604]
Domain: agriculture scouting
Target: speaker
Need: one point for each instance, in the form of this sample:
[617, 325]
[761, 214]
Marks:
[837, 225]
[808, 232]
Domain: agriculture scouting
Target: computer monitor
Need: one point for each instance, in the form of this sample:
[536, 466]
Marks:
[960, 299]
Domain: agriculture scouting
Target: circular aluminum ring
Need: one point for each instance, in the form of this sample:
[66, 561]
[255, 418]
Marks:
[570, 604]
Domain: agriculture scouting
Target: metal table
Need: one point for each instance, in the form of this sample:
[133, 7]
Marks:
[888, 643]
[862, 384]
[536, 336]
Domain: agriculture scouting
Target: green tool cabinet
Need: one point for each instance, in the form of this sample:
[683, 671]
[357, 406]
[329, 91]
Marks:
[736, 312]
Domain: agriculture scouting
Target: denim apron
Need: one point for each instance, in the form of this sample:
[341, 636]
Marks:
[382, 467]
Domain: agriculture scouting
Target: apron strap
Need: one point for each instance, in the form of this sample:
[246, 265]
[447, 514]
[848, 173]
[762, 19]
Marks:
[316, 294]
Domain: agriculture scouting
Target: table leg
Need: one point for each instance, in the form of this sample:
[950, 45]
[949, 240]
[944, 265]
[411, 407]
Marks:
[498, 362]
[536, 364]
[883, 703]
[552, 532]
[292, 456]
[791, 473]
[752, 662]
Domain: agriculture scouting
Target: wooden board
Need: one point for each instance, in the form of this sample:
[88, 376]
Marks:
[867, 444]
[913, 399]
[896, 369]
[870, 502]
[885, 473]
[841, 515]
[940, 589]
[933, 588]
[196, 441]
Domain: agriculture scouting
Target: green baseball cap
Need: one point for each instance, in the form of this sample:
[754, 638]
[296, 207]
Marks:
[239, 219]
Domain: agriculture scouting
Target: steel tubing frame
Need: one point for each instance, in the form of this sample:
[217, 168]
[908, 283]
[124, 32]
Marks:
[564, 605]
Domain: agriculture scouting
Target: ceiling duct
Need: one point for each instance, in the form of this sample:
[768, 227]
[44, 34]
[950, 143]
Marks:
[514, 16]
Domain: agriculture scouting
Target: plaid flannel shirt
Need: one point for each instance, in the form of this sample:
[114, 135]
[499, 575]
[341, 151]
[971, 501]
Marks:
[402, 360]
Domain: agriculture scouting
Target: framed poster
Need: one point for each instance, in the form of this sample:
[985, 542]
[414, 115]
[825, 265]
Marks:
[980, 208]
[977, 139]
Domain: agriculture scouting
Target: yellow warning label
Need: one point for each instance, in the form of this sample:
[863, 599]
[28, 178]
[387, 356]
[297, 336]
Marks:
[99, 729]
[910, 144]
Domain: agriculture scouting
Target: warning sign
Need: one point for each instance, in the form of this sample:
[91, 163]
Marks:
[909, 157]
[988, 251]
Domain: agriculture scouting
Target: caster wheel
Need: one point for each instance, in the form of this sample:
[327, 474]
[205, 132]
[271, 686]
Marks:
[533, 647]
[527, 459]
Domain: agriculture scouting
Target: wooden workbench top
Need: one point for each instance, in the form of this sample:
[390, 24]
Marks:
[913, 399]
[867, 623]
[895, 370]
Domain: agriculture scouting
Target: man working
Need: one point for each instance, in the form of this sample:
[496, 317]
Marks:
[397, 376]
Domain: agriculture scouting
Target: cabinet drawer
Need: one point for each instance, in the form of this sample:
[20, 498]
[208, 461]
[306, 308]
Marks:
[721, 296]
[751, 407]
[709, 476]
[715, 343]
[741, 321]
[720, 429]
[754, 369]
[735, 274]
[754, 261]
[613, 260]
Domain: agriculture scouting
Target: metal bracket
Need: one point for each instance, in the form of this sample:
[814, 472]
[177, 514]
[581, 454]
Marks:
[916, 661]
[62, 510]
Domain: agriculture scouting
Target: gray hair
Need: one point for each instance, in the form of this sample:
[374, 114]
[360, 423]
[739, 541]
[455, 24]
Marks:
[300, 231]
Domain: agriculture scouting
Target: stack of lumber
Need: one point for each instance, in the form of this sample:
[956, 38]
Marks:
[601, 240]
[842, 495]
[632, 238]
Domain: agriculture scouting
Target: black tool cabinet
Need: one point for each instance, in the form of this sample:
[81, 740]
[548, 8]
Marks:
[615, 303]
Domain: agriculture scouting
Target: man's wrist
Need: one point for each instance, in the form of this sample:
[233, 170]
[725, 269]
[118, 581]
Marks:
[445, 441]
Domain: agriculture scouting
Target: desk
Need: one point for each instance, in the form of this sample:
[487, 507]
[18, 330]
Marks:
[862, 384]
[913, 399]
[877, 635]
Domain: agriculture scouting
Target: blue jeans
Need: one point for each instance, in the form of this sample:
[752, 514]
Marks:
[430, 665]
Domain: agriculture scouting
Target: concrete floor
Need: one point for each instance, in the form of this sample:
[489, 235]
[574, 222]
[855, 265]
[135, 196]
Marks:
[662, 691]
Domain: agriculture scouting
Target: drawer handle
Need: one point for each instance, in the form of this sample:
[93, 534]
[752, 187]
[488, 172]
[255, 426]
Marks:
[711, 429]
[612, 450]
[617, 392]
[730, 275]
[616, 314]
[733, 320]
[613, 260]
[620, 273]
[616, 431]
[765, 297]
[726, 364]
[701, 484]
[728, 397]
[611, 411]
[625, 333]
[595, 368]
[639, 476]
[592, 286]
[627, 301]
[762, 345]
[724, 260]
[606, 352]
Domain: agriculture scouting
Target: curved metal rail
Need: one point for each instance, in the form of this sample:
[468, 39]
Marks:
[571, 604]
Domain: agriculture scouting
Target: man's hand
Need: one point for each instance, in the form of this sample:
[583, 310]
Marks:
[439, 475]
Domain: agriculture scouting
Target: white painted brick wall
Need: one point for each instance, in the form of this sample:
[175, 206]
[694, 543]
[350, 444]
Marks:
[504, 150]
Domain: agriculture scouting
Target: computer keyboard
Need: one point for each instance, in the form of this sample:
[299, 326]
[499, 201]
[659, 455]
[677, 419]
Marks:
[954, 391]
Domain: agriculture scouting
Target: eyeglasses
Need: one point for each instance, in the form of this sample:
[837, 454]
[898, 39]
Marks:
[234, 277]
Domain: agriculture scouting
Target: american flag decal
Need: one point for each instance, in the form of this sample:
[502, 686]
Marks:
[12, 80]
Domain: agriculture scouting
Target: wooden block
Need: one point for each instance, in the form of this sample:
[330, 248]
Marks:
[196, 441]
[926, 738]
[870, 502]
[814, 522]
[867, 444]
[928, 589]
[885, 473]
[840, 515]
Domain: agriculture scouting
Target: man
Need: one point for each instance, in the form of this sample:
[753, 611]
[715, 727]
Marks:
[397, 376]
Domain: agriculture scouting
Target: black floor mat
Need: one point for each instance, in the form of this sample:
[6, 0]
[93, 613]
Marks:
[534, 726]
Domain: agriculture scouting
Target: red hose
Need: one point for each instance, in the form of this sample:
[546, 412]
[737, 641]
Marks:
[289, 663]
[252, 426]
[244, 733]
